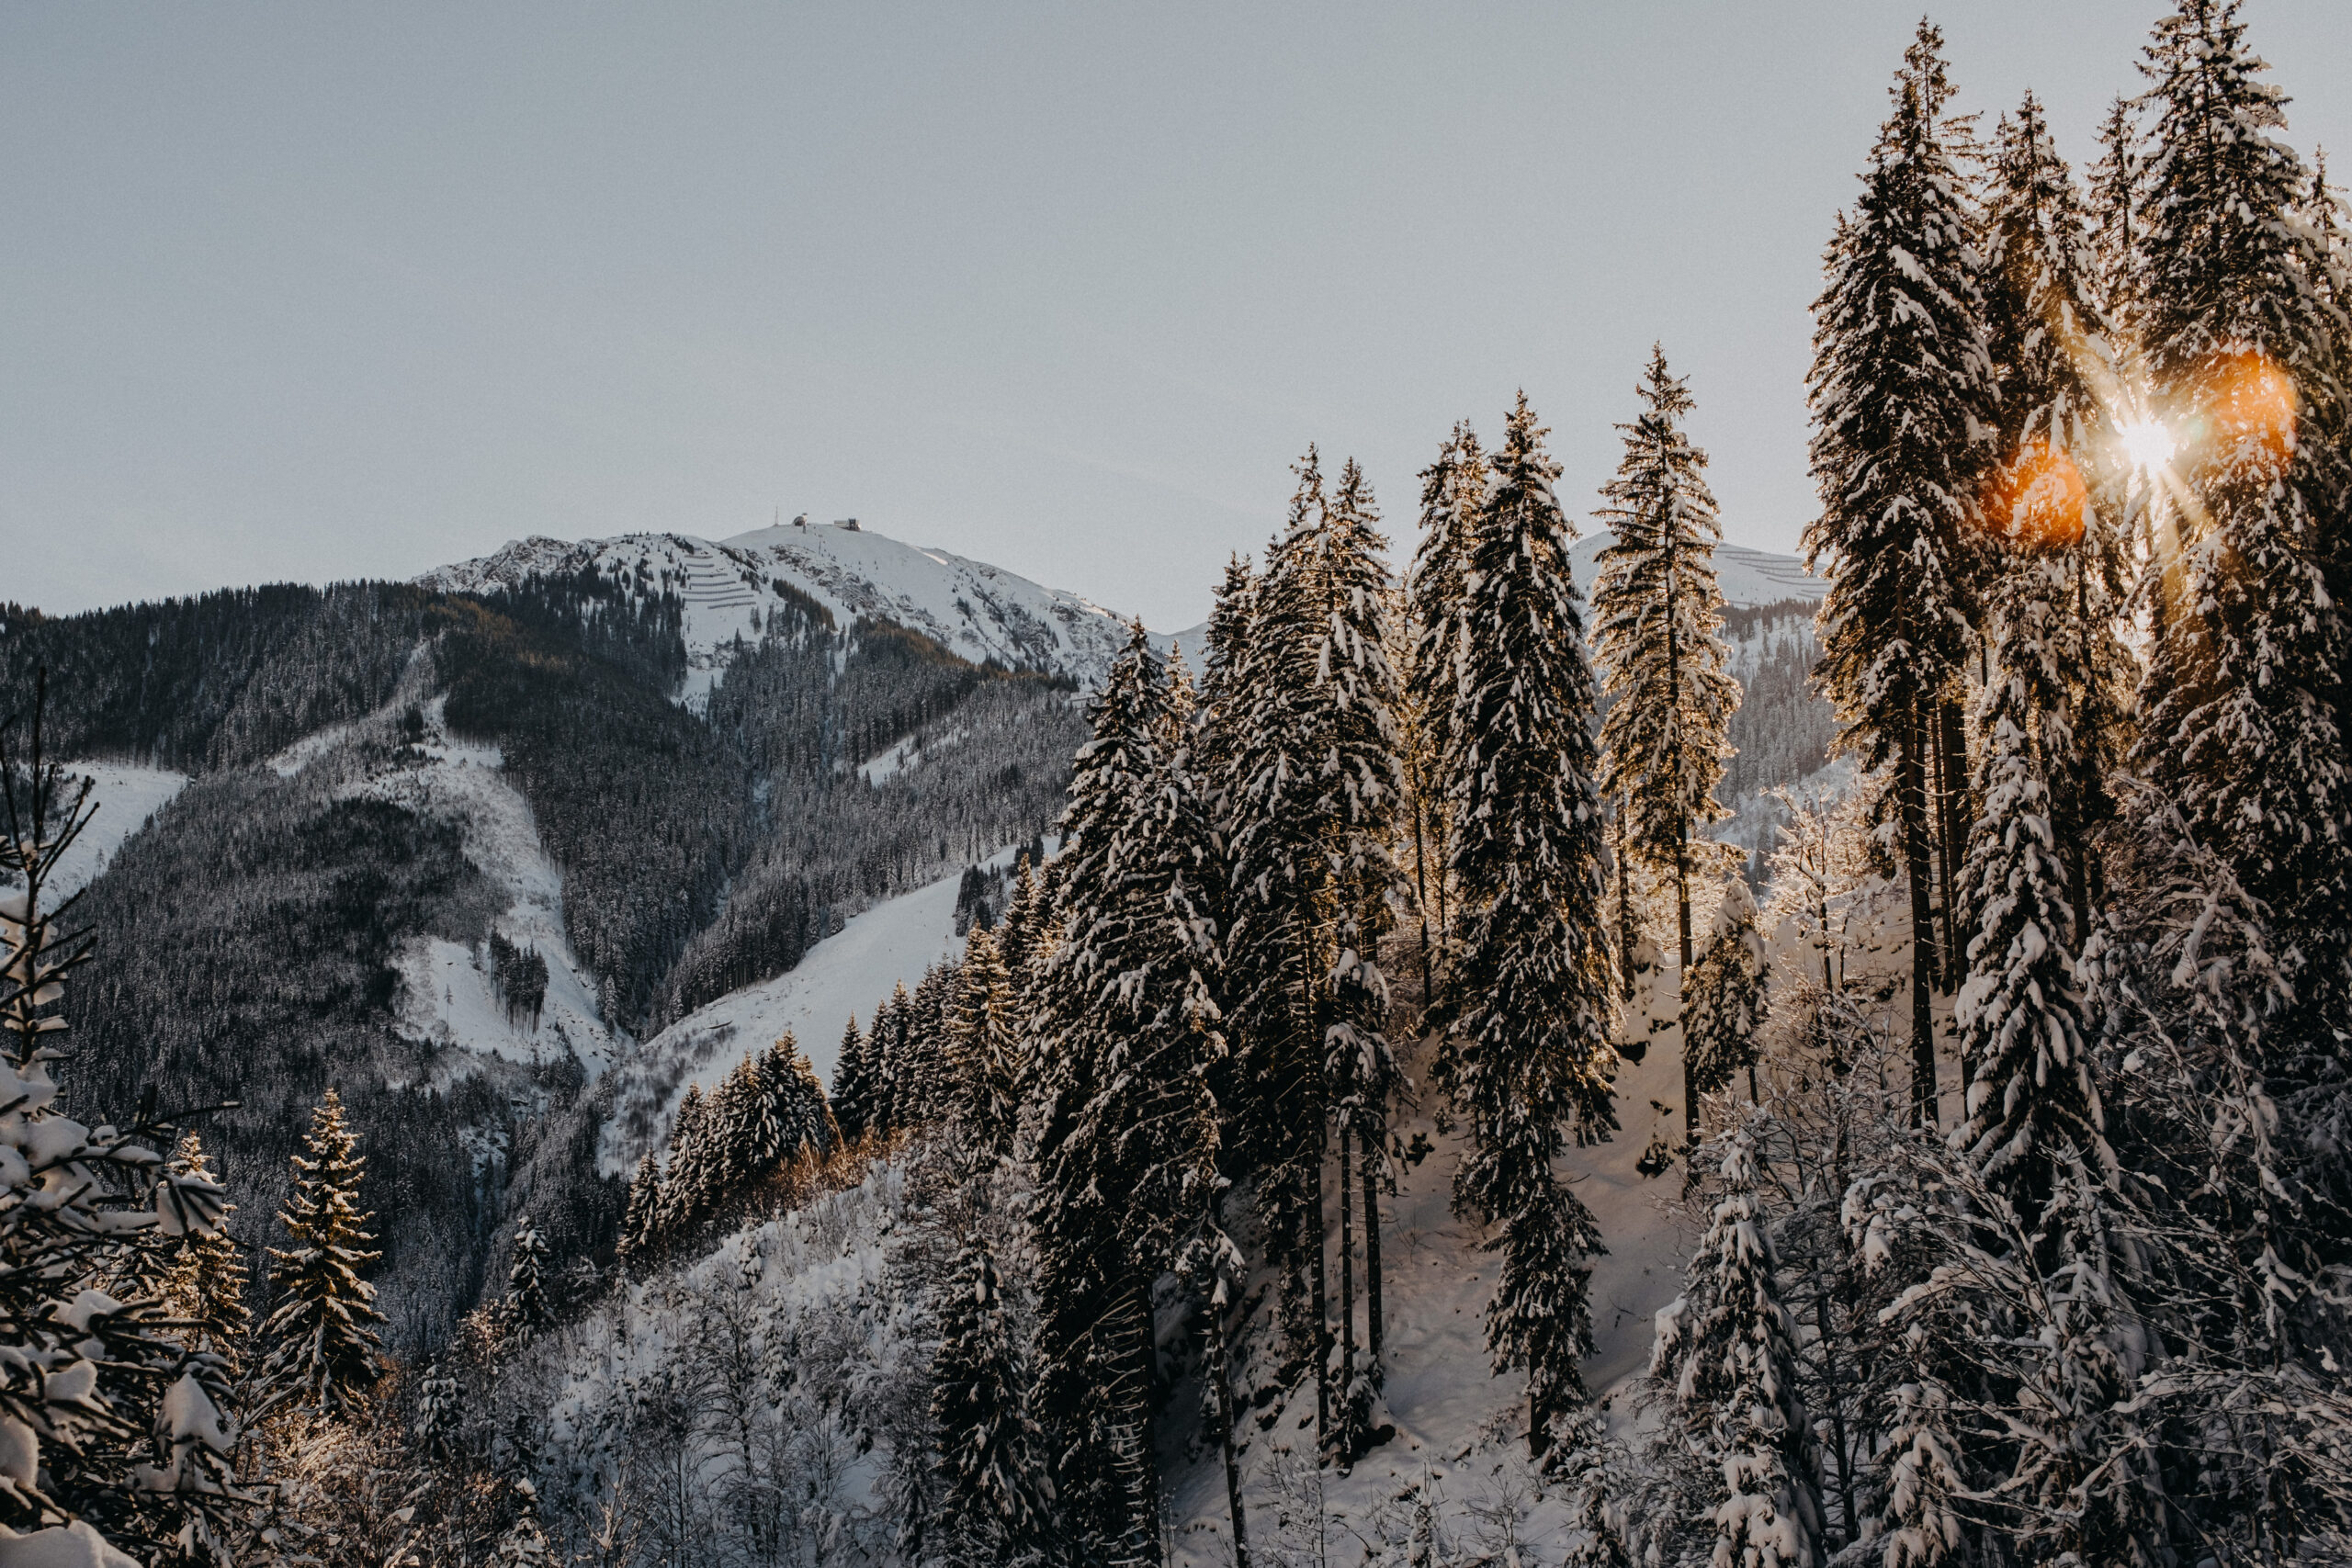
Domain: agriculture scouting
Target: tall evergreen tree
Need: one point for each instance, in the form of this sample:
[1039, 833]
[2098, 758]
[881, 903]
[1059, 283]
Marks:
[1728, 1349]
[1525, 1008]
[1724, 1000]
[2243, 691]
[1126, 1149]
[205, 1286]
[996, 1506]
[1658, 639]
[1903, 398]
[985, 1046]
[1453, 491]
[323, 1350]
[528, 1310]
[853, 1083]
[1318, 785]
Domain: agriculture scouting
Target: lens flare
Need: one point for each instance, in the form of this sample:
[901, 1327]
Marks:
[2253, 404]
[2147, 443]
[2040, 498]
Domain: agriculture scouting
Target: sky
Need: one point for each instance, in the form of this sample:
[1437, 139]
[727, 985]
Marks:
[294, 292]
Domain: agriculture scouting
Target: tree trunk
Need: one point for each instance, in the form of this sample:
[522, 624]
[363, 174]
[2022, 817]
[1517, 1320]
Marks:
[1371, 1152]
[1221, 1372]
[1347, 1297]
[1954, 738]
[1682, 980]
[1624, 905]
[1911, 800]
[1318, 1292]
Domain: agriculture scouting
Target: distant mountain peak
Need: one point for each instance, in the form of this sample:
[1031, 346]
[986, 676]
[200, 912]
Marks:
[978, 611]
[1747, 577]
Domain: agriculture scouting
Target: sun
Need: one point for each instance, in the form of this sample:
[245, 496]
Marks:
[2147, 443]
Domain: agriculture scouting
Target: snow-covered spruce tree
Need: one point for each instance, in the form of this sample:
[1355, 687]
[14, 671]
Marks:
[1904, 398]
[640, 1215]
[889, 1044]
[854, 1083]
[1126, 1150]
[205, 1284]
[1525, 1009]
[2033, 1099]
[2061, 499]
[528, 1312]
[996, 1505]
[689, 1179]
[2242, 698]
[2189, 988]
[1318, 784]
[1728, 1349]
[1453, 489]
[1724, 998]
[985, 1044]
[324, 1352]
[111, 1436]
[803, 1120]
[1658, 637]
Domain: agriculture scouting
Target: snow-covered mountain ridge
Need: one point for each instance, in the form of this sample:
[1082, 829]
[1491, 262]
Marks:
[1748, 578]
[979, 612]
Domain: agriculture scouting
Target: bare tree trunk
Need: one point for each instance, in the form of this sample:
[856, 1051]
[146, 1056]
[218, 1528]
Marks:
[1683, 981]
[1954, 746]
[1312, 1217]
[1347, 1295]
[1221, 1372]
[1624, 905]
[1911, 792]
[1372, 1152]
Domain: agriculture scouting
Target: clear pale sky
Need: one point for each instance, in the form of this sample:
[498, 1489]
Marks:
[311, 291]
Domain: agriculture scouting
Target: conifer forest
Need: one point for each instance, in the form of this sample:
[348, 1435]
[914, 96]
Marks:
[1484, 1055]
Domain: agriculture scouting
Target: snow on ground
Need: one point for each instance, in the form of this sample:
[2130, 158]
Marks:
[1461, 1431]
[126, 796]
[446, 993]
[842, 977]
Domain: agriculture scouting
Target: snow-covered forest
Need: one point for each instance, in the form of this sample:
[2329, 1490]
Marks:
[1458, 1068]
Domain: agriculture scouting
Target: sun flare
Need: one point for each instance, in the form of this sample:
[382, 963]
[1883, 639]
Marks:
[2148, 445]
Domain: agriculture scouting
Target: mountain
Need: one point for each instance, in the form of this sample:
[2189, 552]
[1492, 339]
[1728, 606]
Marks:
[1750, 579]
[727, 588]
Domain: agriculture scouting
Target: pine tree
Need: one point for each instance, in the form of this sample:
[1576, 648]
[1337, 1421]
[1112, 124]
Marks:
[642, 1217]
[1453, 491]
[1525, 1009]
[997, 1505]
[804, 1122]
[1126, 1147]
[689, 1178]
[852, 1084]
[1728, 1349]
[324, 1352]
[107, 1419]
[2244, 694]
[527, 1308]
[2060, 502]
[1723, 999]
[2032, 1095]
[205, 1286]
[1317, 783]
[1903, 393]
[985, 1048]
[1658, 639]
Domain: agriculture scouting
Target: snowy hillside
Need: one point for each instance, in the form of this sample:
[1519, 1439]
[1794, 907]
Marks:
[126, 796]
[979, 611]
[1748, 578]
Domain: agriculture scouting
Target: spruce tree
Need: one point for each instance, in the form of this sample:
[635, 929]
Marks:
[804, 1122]
[1126, 1147]
[1728, 1349]
[1724, 1000]
[985, 1048]
[1525, 1011]
[641, 1214]
[1904, 398]
[1318, 784]
[2059, 502]
[852, 1084]
[527, 1308]
[1453, 491]
[1658, 639]
[995, 1508]
[2242, 695]
[323, 1351]
[205, 1286]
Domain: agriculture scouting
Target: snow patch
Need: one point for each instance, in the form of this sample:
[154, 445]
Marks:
[127, 798]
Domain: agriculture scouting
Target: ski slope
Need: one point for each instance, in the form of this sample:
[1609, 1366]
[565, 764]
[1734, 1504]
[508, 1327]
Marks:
[125, 798]
[842, 976]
